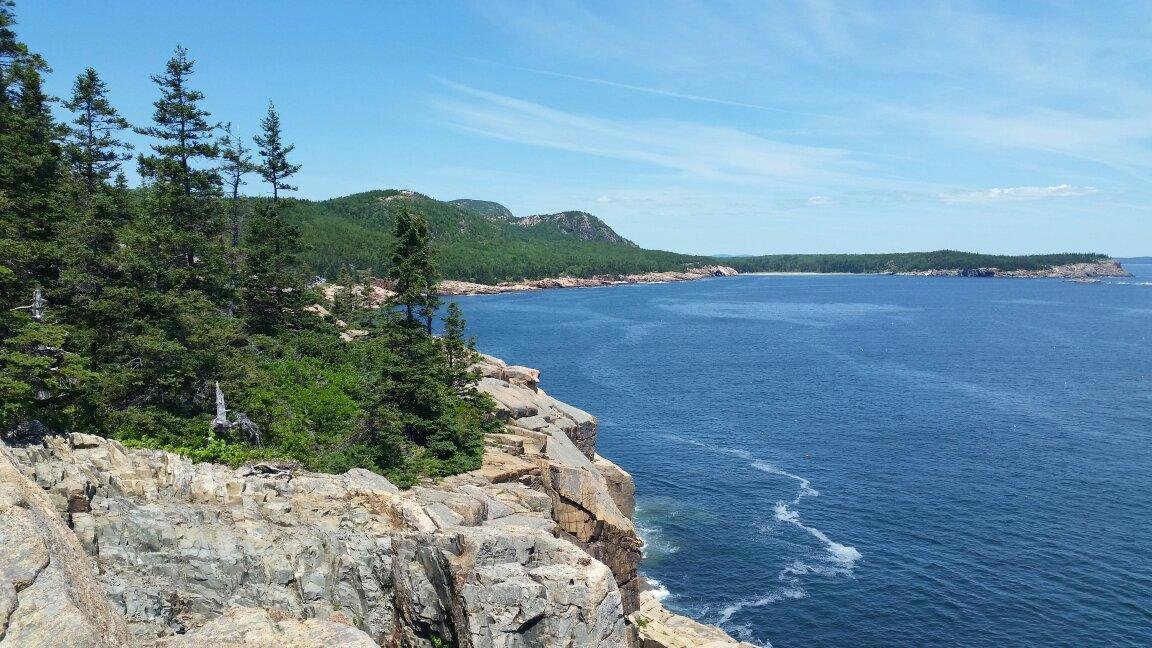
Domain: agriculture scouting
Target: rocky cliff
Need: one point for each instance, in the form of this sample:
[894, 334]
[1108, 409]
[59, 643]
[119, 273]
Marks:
[124, 547]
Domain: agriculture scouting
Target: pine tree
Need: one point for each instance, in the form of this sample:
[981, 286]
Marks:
[237, 164]
[459, 352]
[93, 150]
[275, 166]
[272, 284]
[39, 377]
[412, 271]
[183, 130]
[273, 287]
[185, 213]
[343, 301]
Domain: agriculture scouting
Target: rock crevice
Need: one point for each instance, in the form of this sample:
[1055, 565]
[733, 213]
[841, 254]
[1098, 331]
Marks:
[120, 547]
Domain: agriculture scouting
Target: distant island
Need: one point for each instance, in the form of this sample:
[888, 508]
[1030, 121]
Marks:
[482, 247]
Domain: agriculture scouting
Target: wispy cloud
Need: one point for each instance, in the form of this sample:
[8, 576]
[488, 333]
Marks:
[817, 201]
[699, 150]
[655, 91]
[997, 194]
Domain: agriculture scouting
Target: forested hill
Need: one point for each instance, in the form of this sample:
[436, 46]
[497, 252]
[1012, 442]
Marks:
[903, 262]
[475, 240]
[483, 241]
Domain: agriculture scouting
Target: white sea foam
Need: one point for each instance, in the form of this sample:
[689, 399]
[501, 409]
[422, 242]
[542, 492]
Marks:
[652, 539]
[844, 555]
[785, 514]
[806, 489]
[774, 597]
[801, 568]
[659, 591]
[743, 632]
[842, 558]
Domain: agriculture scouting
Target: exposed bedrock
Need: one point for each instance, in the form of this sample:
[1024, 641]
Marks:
[136, 547]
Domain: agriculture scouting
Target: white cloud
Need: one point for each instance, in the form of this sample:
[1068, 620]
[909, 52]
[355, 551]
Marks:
[821, 200]
[603, 199]
[997, 194]
[698, 150]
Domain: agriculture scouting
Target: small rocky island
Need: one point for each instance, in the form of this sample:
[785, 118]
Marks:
[108, 546]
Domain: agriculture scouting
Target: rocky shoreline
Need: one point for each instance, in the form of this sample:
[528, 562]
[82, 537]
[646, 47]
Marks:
[108, 546]
[455, 288]
[1103, 268]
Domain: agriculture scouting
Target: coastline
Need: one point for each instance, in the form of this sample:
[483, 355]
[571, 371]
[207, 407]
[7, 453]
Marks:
[1080, 272]
[536, 547]
[454, 288]
[1072, 271]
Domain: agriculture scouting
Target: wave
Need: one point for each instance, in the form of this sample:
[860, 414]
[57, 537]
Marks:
[841, 558]
[652, 539]
[806, 489]
[784, 593]
[842, 554]
[659, 591]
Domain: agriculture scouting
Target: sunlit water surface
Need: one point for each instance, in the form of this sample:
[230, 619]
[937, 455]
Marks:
[871, 461]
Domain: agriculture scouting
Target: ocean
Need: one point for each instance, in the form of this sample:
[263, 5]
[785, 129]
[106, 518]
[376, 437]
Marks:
[870, 460]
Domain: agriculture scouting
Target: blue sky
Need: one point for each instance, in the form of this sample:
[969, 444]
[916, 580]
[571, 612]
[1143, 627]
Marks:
[746, 127]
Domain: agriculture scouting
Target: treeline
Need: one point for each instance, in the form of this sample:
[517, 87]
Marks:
[138, 313]
[902, 262]
[356, 231]
[487, 247]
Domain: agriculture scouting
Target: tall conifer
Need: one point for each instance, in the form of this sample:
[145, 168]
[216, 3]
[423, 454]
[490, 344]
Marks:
[38, 375]
[275, 166]
[93, 149]
[237, 164]
[413, 272]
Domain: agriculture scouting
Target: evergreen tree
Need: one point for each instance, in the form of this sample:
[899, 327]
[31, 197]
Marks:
[412, 271]
[183, 130]
[275, 166]
[273, 288]
[93, 149]
[39, 378]
[237, 164]
[185, 210]
[272, 284]
[344, 304]
[168, 305]
[459, 352]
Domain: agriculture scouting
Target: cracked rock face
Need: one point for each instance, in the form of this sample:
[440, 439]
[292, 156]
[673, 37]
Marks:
[108, 546]
[178, 544]
[49, 594]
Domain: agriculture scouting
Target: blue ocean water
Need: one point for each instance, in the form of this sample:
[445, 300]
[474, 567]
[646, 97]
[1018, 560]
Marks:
[871, 461]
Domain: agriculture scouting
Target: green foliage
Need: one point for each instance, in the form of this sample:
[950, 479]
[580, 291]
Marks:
[413, 273]
[476, 246]
[275, 168]
[271, 282]
[93, 149]
[119, 313]
[237, 164]
[901, 262]
[481, 241]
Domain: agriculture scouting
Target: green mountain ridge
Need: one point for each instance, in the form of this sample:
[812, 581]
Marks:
[483, 241]
[579, 224]
[486, 208]
[475, 240]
